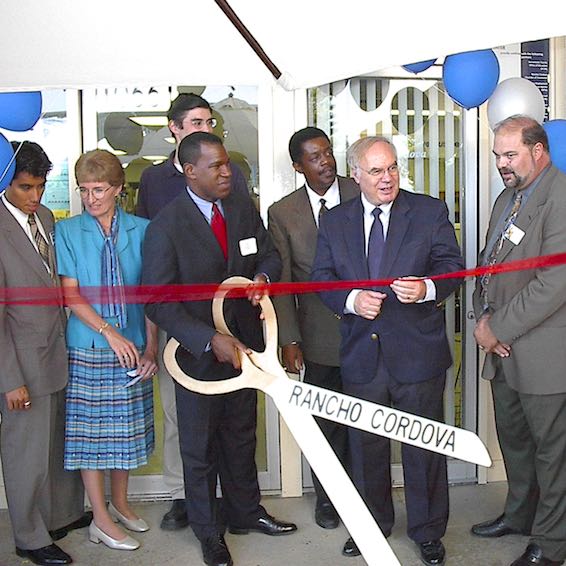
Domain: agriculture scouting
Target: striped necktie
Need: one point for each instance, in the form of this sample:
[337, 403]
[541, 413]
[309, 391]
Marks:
[492, 258]
[42, 245]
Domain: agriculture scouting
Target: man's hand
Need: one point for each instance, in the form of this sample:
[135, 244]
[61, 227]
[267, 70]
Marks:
[18, 399]
[487, 340]
[292, 358]
[409, 289]
[257, 289]
[226, 349]
[367, 304]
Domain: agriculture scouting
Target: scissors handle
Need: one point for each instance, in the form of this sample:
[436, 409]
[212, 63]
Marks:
[251, 375]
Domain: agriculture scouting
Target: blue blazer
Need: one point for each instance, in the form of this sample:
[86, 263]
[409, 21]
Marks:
[78, 243]
[421, 242]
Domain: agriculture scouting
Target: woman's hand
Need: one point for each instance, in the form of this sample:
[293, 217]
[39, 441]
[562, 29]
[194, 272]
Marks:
[125, 349]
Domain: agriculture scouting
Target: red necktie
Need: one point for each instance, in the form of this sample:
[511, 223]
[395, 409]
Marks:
[218, 225]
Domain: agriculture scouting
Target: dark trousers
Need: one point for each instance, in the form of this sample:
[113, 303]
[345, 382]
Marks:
[425, 474]
[217, 439]
[336, 434]
[532, 436]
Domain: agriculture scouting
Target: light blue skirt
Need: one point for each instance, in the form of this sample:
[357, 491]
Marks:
[108, 426]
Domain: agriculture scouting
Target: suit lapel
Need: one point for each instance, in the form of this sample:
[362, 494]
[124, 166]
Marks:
[399, 222]
[528, 213]
[355, 241]
[22, 245]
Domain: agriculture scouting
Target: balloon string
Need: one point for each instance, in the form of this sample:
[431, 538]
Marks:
[146, 294]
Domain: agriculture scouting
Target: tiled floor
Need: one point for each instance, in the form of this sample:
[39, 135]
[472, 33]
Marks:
[310, 546]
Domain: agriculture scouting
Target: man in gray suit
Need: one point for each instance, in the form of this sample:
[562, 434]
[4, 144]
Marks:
[308, 330]
[44, 501]
[521, 325]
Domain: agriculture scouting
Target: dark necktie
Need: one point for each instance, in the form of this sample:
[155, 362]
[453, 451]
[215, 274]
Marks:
[322, 210]
[218, 225]
[492, 258]
[41, 243]
[376, 245]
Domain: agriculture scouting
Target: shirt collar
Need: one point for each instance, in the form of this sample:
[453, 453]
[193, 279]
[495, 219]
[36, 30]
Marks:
[331, 196]
[368, 206]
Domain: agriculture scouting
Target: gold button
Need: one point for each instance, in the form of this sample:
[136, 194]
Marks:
[374, 336]
[117, 325]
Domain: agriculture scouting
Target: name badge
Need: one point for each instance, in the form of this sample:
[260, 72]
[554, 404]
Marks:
[514, 234]
[248, 246]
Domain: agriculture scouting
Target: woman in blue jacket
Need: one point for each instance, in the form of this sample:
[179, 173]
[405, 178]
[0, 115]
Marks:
[109, 424]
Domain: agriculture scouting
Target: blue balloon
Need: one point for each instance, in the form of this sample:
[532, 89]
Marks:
[6, 155]
[556, 132]
[420, 66]
[471, 77]
[19, 111]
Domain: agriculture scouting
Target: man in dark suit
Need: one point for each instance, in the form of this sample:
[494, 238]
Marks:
[394, 348]
[308, 331]
[205, 235]
[521, 325]
[159, 185]
[44, 501]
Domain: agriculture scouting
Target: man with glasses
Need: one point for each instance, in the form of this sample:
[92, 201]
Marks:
[394, 348]
[159, 185]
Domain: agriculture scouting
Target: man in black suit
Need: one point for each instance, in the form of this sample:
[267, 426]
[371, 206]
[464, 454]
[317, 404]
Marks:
[394, 348]
[209, 233]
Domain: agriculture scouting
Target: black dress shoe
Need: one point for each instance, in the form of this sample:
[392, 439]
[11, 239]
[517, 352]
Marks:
[215, 552]
[176, 518]
[533, 556]
[350, 548]
[80, 523]
[45, 556]
[267, 525]
[325, 515]
[495, 528]
[432, 552]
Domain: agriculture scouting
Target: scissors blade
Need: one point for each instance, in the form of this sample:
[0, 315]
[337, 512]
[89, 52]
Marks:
[339, 487]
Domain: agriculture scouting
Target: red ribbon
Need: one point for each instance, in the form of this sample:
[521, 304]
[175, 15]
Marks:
[204, 292]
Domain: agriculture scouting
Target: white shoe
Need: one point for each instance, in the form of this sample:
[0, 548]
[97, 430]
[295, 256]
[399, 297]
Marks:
[137, 525]
[96, 535]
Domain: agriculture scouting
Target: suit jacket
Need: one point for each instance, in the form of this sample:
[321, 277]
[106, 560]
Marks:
[32, 338]
[180, 248]
[529, 307]
[421, 242]
[304, 318]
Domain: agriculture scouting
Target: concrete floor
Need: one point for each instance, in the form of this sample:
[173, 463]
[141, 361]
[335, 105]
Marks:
[310, 546]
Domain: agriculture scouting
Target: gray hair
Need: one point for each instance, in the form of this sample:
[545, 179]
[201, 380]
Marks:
[359, 148]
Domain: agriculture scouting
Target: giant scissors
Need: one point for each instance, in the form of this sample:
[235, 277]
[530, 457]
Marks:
[262, 370]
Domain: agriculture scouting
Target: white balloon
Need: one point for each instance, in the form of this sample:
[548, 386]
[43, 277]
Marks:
[515, 96]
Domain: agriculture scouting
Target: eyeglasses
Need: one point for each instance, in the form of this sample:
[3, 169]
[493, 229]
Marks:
[198, 122]
[96, 192]
[379, 173]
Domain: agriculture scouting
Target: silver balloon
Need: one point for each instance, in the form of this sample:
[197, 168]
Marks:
[515, 96]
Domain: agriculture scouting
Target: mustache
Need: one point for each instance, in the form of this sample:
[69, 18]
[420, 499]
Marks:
[506, 170]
